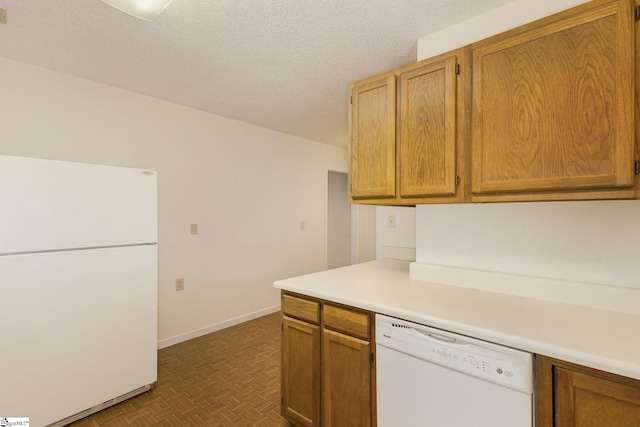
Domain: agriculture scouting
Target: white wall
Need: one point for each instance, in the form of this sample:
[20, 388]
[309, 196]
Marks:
[397, 241]
[594, 242]
[246, 187]
[496, 21]
[363, 240]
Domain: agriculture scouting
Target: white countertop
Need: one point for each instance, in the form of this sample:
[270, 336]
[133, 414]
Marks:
[600, 339]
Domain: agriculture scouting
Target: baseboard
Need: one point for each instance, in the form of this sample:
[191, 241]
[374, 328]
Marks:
[176, 339]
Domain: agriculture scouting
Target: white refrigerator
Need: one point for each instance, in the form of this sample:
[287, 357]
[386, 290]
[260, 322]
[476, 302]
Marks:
[78, 287]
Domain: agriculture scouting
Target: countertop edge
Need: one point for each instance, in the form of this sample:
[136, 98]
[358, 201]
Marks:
[378, 276]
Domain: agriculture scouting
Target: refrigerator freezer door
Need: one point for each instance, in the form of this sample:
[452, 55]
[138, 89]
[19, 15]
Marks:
[77, 328]
[52, 205]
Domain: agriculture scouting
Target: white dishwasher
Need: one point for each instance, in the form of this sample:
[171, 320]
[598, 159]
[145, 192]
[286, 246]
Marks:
[430, 377]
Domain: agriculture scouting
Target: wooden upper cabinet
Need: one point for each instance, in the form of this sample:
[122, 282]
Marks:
[409, 133]
[553, 107]
[427, 137]
[373, 138]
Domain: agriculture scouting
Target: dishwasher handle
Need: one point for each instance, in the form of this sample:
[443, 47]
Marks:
[441, 339]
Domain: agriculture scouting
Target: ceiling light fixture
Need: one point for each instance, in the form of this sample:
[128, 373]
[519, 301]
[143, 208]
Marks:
[147, 10]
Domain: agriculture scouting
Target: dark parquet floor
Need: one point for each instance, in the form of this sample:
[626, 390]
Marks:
[226, 378]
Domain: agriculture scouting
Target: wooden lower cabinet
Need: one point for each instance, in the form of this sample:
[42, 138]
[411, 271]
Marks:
[301, 372]
[346, 380]
[570, 395]
[328, 370]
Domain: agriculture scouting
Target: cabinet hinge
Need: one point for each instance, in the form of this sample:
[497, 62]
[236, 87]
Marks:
[282, 326]
[457, 68]
[636, 168]
[282, 400]
[351, 100]
[371, 356]
[457, 180]
[637, 13]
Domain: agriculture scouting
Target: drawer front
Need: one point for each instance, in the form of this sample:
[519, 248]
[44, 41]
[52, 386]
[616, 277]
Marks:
[348, 321]
[301, 308]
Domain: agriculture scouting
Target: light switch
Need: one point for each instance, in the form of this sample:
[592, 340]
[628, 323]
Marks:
[194, 228]
[301, 225]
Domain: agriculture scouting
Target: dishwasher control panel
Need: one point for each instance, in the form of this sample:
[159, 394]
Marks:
[503, 365]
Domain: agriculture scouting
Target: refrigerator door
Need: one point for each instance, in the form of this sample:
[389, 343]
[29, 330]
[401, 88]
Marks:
[53, 205]
[78, 328]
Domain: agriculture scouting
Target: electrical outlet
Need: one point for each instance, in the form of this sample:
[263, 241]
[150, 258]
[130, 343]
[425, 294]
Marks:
[392, 221]
[179, 284]
[301, 225]
[194, 228]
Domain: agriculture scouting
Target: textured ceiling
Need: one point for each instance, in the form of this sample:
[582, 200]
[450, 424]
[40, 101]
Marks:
[280, 64]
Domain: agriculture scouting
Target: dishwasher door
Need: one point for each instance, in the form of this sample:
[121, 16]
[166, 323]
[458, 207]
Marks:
[429, 377]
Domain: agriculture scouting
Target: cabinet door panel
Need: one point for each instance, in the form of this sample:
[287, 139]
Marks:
[582, 400]
[427, 145]
[346, 375]
[553, 106]
[301, 372]
[373, 138]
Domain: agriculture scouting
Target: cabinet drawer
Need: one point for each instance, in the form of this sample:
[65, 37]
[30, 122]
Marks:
[301, 308]
[351, 322]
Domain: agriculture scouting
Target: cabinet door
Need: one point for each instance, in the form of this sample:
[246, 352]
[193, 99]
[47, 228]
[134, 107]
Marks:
[570, 395]
[346, 375]
[301, 372]
[553, 107]
[373, 138]
[582, 400]
[427, 143]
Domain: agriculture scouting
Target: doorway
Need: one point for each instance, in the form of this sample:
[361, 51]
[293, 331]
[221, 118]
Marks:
[351, 229]
[338, 222]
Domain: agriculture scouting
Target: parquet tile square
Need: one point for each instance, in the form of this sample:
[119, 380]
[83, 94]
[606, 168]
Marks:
[229, 378]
